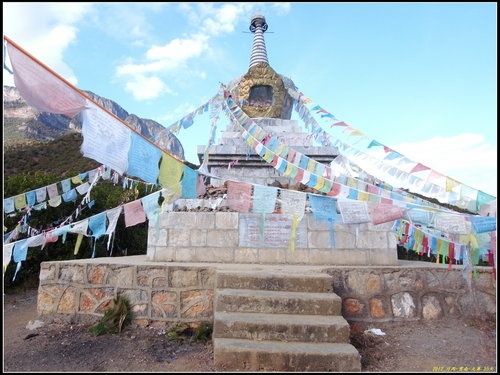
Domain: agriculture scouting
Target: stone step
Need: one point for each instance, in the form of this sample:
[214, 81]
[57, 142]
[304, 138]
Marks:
[281, 327]
[274, 302]
[269, 280]
[248, 355]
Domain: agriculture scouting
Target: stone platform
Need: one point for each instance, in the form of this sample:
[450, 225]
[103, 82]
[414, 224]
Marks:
[232, 237]
[162, 293]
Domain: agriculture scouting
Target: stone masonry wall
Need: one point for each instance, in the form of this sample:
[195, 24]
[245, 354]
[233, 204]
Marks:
[216, 237]
[158, 293]
[161, 294]
[413, 292]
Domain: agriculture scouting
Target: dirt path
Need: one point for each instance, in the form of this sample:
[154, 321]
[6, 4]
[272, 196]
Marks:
[431, 346]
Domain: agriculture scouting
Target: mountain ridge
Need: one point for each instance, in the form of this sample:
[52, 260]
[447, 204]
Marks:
[23, 122]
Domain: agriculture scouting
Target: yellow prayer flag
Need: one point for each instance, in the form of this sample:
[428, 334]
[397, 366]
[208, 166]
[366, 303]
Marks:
[77, 180]
[20, 201]
[319, 184]
[451, 183]
[171, 171]
[78, 243]
[356, 132]
[363, 196]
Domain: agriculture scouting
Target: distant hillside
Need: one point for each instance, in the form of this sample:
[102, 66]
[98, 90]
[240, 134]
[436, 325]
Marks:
[24, 123]
[58, 156]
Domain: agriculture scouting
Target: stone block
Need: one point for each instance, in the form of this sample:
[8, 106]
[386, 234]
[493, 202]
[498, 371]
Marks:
[478, 304]
[272, 256]
[384, 227]
[391, 278]
[104, 306]
[484, 282]
[135, 296]
[180, 278]
[160, 282]
[207, 277]
[96, 274]
[165, 254]
[93, 297]
[179, 237]
[403, 305]
[140, 310]
[323, 256]
[157, 239]
[184, 254]
[47, 272]
[181, 220]
[205, 220]
[198, 237]
[197, 303]
[226, 220]
[67, 302]
[246, 255]
[219, 254]
[392, 241]
[161, 297]
[318, 239]
[344, 240]
[47, 297]
[452, 305]
[164, 311]
[431, 307]
[371, 240]
[363, 283]
[433, 279]
[315, 225]
[406, 279]
[121, 276]
[150, 252]
[298, 256]
[377, 308]
[222, 238]
[352, 307]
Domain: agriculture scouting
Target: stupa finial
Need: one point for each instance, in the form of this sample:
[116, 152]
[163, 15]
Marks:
[258, 26]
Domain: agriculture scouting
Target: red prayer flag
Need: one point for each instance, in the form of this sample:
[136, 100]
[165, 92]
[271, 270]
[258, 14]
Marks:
[419, 167]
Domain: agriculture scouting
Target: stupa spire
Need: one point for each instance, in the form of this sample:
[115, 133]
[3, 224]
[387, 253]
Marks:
[258, 26]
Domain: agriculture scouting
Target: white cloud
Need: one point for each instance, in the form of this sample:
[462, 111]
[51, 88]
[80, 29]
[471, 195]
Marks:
[179, 49]
[172, 58]
[281, 8]
[143, 88]
[468, 158]
[46, 30]
[178, 113]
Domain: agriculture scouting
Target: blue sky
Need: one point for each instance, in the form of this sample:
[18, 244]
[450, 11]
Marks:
[420, 78]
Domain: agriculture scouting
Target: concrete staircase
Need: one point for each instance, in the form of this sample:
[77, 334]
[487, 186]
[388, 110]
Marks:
[271, 321]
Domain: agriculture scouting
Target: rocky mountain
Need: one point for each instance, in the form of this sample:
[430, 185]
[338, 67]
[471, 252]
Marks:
[23, 122]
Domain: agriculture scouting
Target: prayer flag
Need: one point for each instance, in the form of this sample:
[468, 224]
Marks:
[31, 198]
[189, 180]
[20, 201]
[134, 213]
[171, 171]
[41, 88]
[66, 185]
[239, 196]
[264, 199]
[419, 167]
[293, 203]
[143, 159]
[41, 194]
[105, 139]
[383, 213]
[354, 211]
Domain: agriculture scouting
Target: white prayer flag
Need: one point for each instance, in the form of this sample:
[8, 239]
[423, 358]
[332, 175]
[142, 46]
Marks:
[105, 139]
